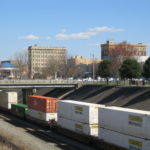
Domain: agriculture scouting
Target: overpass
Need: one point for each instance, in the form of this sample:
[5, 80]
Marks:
[26, 84]
[29, 86]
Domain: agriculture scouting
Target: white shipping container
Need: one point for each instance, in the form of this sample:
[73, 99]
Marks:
[122, 140]
[41, 115]
[12, 97]
[78, 126]
[8, 97]
[6, 105]
[79, 111]
[126, 121]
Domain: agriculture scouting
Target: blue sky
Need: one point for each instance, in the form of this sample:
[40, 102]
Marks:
[79, 25]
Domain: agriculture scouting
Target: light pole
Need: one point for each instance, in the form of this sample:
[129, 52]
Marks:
[93, 66]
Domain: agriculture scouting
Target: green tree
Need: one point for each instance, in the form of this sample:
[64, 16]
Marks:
[104, 69]
[146, 68]
[130, 69]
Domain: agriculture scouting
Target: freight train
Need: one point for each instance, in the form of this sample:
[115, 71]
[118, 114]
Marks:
[105, 128]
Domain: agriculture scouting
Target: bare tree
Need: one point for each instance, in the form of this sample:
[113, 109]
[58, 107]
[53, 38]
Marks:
[71, 69]
[118, 54]
[40, 73]
[55, 67]
[21, 61]
[61, 68]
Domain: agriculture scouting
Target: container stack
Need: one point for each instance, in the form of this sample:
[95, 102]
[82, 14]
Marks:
[41, 108]
[124, 127]
[79, 117]
[7, 99]
[124, 140]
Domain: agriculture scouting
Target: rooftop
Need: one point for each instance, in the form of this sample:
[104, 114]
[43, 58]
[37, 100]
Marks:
[6, 64]
[44, 47]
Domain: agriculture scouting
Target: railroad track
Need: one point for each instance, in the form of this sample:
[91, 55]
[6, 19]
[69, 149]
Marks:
[45, 134]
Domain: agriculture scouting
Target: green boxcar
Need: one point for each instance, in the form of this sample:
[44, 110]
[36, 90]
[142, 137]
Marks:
[19, 109]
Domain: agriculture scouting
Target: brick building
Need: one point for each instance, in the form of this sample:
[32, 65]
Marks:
[138, 50]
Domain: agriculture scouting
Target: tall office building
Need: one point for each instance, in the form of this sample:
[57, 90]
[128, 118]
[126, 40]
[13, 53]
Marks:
[39, 57]
[138, 50]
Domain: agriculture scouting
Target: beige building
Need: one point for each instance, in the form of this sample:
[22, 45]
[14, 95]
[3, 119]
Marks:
[86, 65]
[138, 50]
[78, 60]
[39, 57]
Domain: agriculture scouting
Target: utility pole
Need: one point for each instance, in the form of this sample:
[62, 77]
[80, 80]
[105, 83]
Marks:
[93, 66]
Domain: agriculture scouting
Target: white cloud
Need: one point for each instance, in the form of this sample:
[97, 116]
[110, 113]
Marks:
[34, 37]
[81, 35]
[30, 37]
[106, 29]
[84, 35]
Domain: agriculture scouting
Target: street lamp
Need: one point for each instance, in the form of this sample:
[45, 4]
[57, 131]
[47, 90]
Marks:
[93, 66]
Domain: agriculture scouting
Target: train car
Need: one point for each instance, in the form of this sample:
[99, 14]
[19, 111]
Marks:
[19, 110]
[92, 141]
[42, 110]
[75, 121]
[7, 99]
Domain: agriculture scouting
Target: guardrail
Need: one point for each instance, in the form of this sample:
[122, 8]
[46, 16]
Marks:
[5, 82]
[64, 82]
[37, 84]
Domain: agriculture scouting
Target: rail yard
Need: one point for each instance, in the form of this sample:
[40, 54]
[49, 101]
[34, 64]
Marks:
[69, 124]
